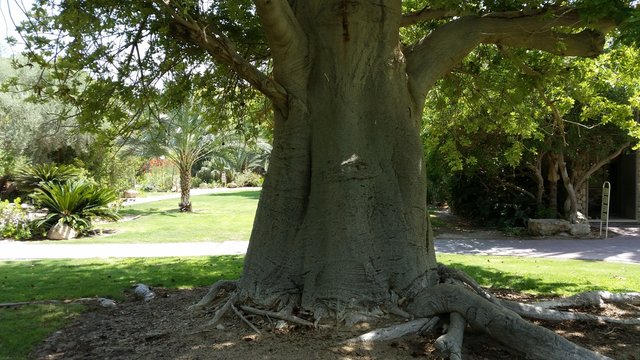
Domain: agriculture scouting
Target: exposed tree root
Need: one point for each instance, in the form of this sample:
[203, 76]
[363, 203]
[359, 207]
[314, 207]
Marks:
[227, 285]
[423, 325]
[543, 310]
[450, 343]
[223, 310]
[253, 327]
[464, 302]
[502, 324]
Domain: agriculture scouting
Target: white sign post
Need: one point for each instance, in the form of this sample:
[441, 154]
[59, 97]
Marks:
[604, 212]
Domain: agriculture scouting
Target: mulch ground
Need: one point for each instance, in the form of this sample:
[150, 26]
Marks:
[164, 329]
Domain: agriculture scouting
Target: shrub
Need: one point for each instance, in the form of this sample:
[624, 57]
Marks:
[75, 203]
[14, 221]
[248, 178]
[196, 182]
[494, 205]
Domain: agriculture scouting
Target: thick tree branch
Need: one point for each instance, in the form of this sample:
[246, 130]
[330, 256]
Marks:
[223, 50]
[426, 14]
[583, 179]
[287, 42]
[436, 54]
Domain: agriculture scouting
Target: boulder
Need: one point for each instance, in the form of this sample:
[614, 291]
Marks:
[232, 185]
[130, 194]
[581, 218]
[61, 232]
[580, 229]
[546, 227]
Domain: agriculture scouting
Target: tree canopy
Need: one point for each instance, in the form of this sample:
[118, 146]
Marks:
[131, 51]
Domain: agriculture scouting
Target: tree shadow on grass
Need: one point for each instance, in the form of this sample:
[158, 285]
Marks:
[252, 194]
[495, 279]
[150, 211]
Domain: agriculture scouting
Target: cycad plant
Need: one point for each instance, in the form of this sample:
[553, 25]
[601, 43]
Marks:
[75, 203]
[32, 177]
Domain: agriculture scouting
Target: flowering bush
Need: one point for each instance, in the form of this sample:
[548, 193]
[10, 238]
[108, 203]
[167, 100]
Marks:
[14, 221]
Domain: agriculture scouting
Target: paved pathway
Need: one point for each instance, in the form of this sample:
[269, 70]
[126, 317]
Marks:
[176, 195]
[625, 248]
[622, 248]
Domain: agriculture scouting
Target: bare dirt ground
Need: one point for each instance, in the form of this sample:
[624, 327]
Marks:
[165, 329]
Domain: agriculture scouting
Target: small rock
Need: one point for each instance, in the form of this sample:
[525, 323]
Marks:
[581, 218]
[143, 291]
[220, 327]
[107, 303]
[580, 229]
[281, 325]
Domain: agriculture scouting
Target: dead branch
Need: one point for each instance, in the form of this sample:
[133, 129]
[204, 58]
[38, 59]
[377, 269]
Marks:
[104, 302]
[253, 327]
[591, 298]
[277, 315]
[538, 313]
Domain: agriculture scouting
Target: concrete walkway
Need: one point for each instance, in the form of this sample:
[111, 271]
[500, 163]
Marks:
[194, 192]
[625, 248]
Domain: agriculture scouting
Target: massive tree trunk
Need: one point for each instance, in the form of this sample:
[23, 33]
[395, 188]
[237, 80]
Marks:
[342, 219]
[341, 228]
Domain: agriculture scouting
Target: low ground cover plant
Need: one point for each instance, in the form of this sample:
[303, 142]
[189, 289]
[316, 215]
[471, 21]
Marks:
[15, 222]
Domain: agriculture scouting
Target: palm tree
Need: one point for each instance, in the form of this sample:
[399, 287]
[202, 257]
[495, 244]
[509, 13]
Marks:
[235, 155]
[188, 140]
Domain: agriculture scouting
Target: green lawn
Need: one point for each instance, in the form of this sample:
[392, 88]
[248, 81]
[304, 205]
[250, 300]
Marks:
[215, 217]
[23, 327]
[546, 276]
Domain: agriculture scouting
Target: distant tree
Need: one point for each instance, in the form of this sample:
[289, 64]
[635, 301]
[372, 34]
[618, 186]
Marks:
[559, 119]
[32, 130]
[187, 138]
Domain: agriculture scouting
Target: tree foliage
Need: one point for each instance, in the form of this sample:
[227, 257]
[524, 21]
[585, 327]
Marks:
[505, 113]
